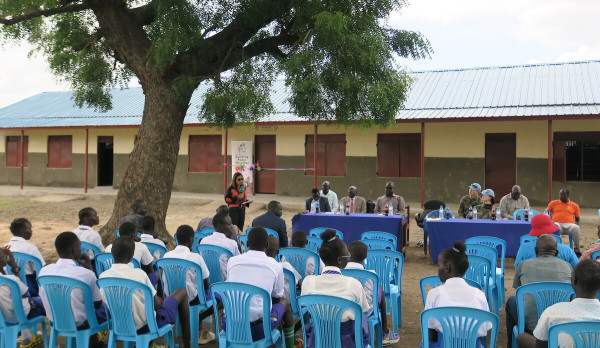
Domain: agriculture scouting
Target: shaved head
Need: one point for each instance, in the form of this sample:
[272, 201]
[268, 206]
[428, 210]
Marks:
[546, 245]
[272, 247]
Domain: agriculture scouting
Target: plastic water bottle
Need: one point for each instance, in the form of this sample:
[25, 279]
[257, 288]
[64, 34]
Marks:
[391, 208]
[475, 212]
[546, 212]
[317, 207]
[498, 213]
[447, 212]
[470, 215]
[312, 207]
[441, 213]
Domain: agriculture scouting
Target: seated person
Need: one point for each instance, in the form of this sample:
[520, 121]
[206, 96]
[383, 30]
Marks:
[21, 230]
[390, 197]
[208, 222]
[256, 268]
[485, 212]
[167, 310]
[317, 198]
[354, 203]
[299, 240]
[358, 254]
[73, 264]
[88, 218]
[595, 246]
[513, 202]
[335, 254]
[331, 196]
[272, 219]
[141, 253]
[272, 251]
[585, 282]
[32, 306]
[139, 209]
[222, 238]
[540, 225]
[147, 223]
[455, 292]
[470, 200]
[566, 214]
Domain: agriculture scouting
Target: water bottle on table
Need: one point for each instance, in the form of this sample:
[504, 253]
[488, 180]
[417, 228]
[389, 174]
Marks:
[447, 212]
[441, 213]
[474, 212]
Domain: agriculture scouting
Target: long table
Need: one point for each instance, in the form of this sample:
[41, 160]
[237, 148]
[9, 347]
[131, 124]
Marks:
[443, 233]
[354, 224]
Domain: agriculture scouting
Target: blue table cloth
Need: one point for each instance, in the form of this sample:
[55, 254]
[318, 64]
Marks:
[351, 225]
[443, 233]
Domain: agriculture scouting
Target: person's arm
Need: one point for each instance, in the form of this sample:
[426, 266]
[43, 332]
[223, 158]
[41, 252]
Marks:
[504, 209]
[308, 204]
[206, 283]
[577, 214]
[84, 261]
[377, 209]
[541, 344]
[282, 231]
[461, 210]
[517, 279]
[231, 195]
[401, 205]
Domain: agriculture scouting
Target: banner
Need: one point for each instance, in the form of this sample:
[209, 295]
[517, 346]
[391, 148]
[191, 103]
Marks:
[241, 159]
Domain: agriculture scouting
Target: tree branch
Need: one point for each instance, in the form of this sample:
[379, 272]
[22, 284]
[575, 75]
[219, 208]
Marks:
[93, 38]
[43, 13]
[146, 14]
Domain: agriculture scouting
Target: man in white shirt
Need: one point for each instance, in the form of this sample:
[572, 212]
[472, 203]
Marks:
[256, 268]
[21, 230]
[166, 311]
[141, 252]
[222, 238]
[88, 218]
[147, 223]
[331, 196]
[585, 306]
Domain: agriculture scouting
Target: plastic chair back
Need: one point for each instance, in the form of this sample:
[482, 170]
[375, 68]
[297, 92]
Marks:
[326, 316]
[174, 273]
[157, 251]
[21, 259]
[378, 244]
[488, 252]
[15, 294]
[298, 257]
[314, 243]
[521, 214]
[105, 260]
[270, 232]
[364, 276]
[198, 235]
[497, 243]
[459, 325]
[381, 236]
[93, 250]
[585, 334]
[595, 255]
[290, 279]
[479, 271]
[388, 265]
[527, 239]
[212, 258]
[139, 234]
[236, 298]
[243, 242]
[316, 232]
[207, 230]
[435, 281]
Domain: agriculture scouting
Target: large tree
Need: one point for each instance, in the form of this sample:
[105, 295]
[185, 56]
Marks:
[336, 56]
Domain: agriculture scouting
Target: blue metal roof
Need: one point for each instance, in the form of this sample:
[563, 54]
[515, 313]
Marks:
[558, 89]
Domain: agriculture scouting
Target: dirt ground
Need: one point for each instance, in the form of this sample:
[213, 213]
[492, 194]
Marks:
[51, 215]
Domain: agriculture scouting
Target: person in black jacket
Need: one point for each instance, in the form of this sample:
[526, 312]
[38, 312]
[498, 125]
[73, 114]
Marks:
[323, 202]
[272, 219]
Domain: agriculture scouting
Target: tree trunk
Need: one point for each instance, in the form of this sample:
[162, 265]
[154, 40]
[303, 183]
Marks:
[151, 170]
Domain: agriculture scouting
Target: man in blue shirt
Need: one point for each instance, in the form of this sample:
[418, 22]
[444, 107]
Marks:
[272, 219]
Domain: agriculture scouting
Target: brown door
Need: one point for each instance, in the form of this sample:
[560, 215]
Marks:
[265, 154]
[500, 162]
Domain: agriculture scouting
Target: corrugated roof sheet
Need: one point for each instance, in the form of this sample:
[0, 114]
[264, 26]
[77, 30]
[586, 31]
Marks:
[559, 89]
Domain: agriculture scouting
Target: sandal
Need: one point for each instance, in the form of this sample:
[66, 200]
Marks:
[390, 338]
[37, 339]
[102, 335]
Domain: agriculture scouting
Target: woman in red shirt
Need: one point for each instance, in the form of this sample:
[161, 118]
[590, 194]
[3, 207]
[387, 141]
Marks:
[235, 197]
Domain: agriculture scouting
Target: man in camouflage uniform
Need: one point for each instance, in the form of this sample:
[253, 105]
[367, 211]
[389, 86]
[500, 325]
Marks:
[472, 199]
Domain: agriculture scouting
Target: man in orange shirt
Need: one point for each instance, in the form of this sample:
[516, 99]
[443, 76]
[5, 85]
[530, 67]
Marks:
[566, 214]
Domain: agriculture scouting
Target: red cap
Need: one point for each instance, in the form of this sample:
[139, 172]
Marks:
[541, 224]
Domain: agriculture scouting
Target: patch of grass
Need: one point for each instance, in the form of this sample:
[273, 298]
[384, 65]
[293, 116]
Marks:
[14, 203]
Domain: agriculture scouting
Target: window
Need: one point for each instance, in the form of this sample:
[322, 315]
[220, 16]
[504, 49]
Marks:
[60, 151]
[331, 154]
[576, 156]
[399, 155]
[205, 154]
[13, 151]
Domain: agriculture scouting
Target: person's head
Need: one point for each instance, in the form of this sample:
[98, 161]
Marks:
[515, 193]
[358, 251]
[123, 249]
[223, 209]
[275, 208]
[68, 246]
[563, 195]
[128, 229]
[326, 187]
[546, 245]
[257, 239]
[21, 227]
[237, 180]
[352, 191]
[487, 196]
[299, 239]
[147, 224]
[586, 278]
[474, 190]
[272, 246]
[389, 189]
[333, 251]
[221, 223]
[541, 224]
[88, 217]
[185, 235]
[315, 194]
[453, 262]
[3, 259]
[139, 207]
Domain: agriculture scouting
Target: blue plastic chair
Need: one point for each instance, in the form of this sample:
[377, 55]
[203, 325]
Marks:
[10, 331]
[585, 333]
[243, 242]
[314, 243]
[236, 299]
[546, 294]
[532, 239]
[119, 294]
[431, 214]
[491, 254]
[198, 236]
[521, 214]
[156, 249]
[270, 232]
[380, 235]
[59, 290]
[207, 230]
[85, 246]
[435, 281]
[21, 259]
[378, 244]
[290, 279]
[326, 316]
[595, 255]
[212, 258]
[105, 260]
[374, 320]
[297, 257]
[480, 271]
[388, 265]
[459, 325]
[316, 232]
[500, 245]
[174, 273]
[139, 234]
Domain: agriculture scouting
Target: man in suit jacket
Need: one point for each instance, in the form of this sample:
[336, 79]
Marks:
[323, 202]
[272, 219]
[355, 203]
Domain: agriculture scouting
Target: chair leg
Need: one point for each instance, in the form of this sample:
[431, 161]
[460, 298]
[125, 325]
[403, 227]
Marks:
[45, 334]
[425, 235]
[194, 327]
[10, 337]
[82, 339]
[52, 342]
[112, 341]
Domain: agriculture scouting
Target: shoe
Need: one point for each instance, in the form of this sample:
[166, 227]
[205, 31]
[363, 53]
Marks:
[298, 342]
[102, 335]
[577, 252]
[390, 338]
[37, 339]
[420, 243]
[206, 337]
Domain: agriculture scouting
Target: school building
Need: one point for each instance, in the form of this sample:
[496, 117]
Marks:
[533, 125]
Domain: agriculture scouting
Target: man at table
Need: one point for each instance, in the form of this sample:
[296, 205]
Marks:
[470, 200]
[390, 197]
[330, 195]
[317, 198]
[566, 213]
[272, 219]
[355, 203]
[513, 202]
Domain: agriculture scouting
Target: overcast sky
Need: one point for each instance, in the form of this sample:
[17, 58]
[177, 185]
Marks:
[463, 33]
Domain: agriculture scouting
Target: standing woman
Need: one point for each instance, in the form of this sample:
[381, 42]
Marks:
[235, 197]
